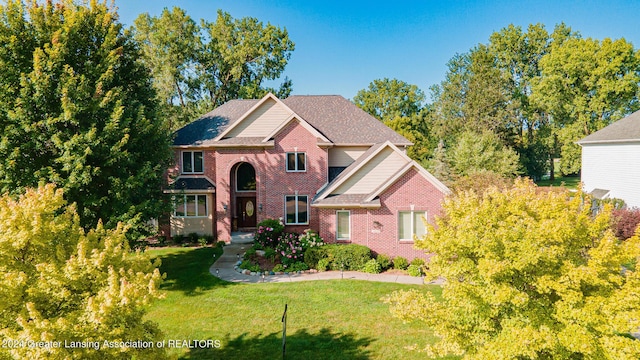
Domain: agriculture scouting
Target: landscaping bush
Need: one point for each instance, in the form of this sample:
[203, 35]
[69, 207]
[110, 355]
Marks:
[270, 253]
[268, 232]
[400, 263]
[313, 255]
[193, 237]
[371, 267]
[310, 239]
[348, 257]
[278, 268]
[178, 239]
[290, 248]
[414, 270]
[299, 266]
[323, 264]
[625, 222]
[384, 261]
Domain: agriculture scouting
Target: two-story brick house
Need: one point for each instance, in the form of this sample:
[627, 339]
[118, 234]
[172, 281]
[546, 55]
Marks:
[317, 162]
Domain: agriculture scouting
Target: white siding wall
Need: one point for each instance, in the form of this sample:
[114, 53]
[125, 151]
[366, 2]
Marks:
[379, 169]
[345, 155]
[614, 167]
[262, 121]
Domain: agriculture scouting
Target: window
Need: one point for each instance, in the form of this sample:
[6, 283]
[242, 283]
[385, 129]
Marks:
[192, 162]
[410, 223]
[297, 209]
[296, 161]
[245, 178]
[190, 205]
[343, 225]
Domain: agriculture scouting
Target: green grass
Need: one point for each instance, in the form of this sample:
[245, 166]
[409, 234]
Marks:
[338, 319]
[570, 182]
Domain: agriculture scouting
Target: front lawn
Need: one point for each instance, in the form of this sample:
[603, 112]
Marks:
[338, 319]
[570, 182]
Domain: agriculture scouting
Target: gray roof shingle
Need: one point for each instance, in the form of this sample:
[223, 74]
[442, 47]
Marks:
[335, 117]
[625, 129]
[191, 183]
[209, 125]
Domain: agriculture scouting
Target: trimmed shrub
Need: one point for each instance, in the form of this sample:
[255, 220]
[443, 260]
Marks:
[193, 237]
[417, 262]
[314, 254]
[371, 267]
[625, 222]
[414, 270]
[348, 257]
[278, 268]
[400, 263]
[323, 264]
[384, 261]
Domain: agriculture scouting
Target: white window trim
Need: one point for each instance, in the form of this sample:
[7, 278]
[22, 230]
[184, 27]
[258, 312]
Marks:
[184, 206]
[297, 211]
[412, 212]
[338, 238]
[286, 161]
[192, 152]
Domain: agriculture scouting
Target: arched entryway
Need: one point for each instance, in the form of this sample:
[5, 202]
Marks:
[243, 177]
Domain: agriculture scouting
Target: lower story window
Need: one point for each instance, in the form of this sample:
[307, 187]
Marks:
[190, 205]
[297, 209]
[410, 224]
[343, 225]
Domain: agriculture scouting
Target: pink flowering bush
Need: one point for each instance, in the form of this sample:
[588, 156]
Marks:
[291, 246]
[268, 232]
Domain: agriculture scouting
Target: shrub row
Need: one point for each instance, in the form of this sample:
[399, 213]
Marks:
[337, 257]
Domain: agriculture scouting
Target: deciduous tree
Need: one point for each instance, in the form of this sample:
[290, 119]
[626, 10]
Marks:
[77, 109]
[528, 275]
[60, 284]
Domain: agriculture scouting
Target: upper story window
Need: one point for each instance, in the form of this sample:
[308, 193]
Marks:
[192, 162]
[296, 161]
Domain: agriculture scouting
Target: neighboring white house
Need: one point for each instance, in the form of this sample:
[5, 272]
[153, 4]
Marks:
[611, 161]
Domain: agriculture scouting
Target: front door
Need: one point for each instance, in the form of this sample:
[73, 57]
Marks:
[246, 212]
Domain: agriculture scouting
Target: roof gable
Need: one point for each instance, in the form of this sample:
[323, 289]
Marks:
[260, 120]
[624, 130]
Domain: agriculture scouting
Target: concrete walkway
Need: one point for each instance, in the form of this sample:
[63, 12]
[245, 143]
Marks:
[224, 269]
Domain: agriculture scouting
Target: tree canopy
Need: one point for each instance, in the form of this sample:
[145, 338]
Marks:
[77, 109]
[528, 274]
[197, 67]
[61, 284]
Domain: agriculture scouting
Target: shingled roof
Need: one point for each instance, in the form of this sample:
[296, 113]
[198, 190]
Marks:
[335, 117]
[624, 130]
[341, 121]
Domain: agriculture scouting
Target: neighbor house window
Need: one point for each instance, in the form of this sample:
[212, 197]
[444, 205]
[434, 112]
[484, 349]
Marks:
[296, 161]
[192, 162]
[343, 225]
[297, 209]
[190, 205]
[410, 223]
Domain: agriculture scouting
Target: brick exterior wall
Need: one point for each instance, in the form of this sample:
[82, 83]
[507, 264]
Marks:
[273, 182]
[410, 189]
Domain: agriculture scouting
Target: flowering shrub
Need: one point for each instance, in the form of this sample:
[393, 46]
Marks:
[267, 233]
[310, 239]
[290, 248]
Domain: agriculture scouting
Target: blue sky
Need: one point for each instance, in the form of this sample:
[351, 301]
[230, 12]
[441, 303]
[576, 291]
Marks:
[341, 46]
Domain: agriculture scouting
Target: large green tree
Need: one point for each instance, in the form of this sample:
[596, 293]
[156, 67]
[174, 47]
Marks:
[61, 284]
[528, 275]
[474, 153]
[77, 109]
[197, 67]
[400, 106]
[585, 85]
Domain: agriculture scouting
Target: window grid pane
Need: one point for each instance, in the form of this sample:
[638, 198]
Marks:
[343, 225]
[301, 162]
[202, 205]
[404, 225]
[418, 224]
[197, 162]
[291, 209]
[291, 161]
[302, 210]
[191, 205]
[186, 162]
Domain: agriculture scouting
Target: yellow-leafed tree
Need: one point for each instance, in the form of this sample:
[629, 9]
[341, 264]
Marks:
[65, 292]
[529, 274]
